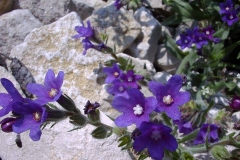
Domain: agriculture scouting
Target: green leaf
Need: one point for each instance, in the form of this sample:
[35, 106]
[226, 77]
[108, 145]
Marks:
[221, 33]
[191, 57]
[175, 19]
[220, 152]
[173, 48]
[142, 156]
[125, 142]
[231, 85]
[189, 136]
[238, 56]
[186, 10]
[187, 156]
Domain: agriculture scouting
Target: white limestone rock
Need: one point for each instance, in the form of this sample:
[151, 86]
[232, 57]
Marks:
[145, 47]
[120, 26]
[14, 27]
[51, 46]
[165, 60]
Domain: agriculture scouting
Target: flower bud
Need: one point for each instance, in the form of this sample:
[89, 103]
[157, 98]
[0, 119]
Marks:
[78, 120]
[100, 132]
[235, 103]
[7, 123]
[67, 103]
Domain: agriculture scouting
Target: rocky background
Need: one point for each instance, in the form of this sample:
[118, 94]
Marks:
[36, 36]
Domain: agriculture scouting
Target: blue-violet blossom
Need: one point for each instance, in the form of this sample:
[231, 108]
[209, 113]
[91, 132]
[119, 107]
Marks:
[32, 115]
[112, 73]
[230, 17]
[84, 31]
[130, 79]
[135, 109]
[118, 88]
[235, 103]
[202, 134]
[156, 138]
[50, 91]
[226, 7]
[169, 97]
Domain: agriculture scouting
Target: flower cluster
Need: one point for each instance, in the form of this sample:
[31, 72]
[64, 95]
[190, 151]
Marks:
[228, 12]
[29, 114]
[197, 36]
[136, 108]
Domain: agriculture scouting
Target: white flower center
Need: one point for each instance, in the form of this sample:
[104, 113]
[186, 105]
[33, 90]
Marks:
[115, 74]
[231, 17]
[207, 32]
[167, 99]
[227, 8]
[130, 79]
[156, 134]
[138, 109]
[36, 116]
[121, 88]
[52, 92]
[185, 41]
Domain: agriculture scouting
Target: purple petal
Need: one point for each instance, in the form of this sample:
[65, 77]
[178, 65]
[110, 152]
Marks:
[173, 112]
[50, 79]
[23, 124]
[35, 132]
[170, 143]
[37, 89]
[181, 98]
[122, 104]
[8, 85]
[174, 84]
[59, 79]
[124, 120]
[156, 150]
[5, 99]
[154, 87]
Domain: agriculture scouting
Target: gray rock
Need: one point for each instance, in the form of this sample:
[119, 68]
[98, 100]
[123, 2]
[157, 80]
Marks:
[50, 11]
[145, 47]
[154, 3]
[51, 46]
[120, 26]
[162, 77]
[14, 27]
[165, 60]
[5, 6]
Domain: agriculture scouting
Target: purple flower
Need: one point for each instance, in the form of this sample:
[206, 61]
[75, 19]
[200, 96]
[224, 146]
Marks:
[225, 7]
[112, 73]
[156, 138]
[87, 44]
[208, 32]
[134, 110]
[235, 103]
[230, 17]
[7, 123]
[50, 91]
[184, 41]
[101, 46]
[84, 31]
[32, 115]
[168, 96]
[118, 4]
[202, 134]
[183, 126]
[118, 88]
[7, 100]
[130, 79]
[90, 108]
[200, 40]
